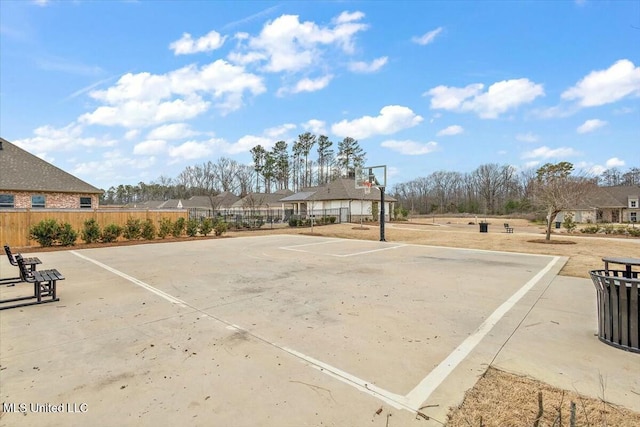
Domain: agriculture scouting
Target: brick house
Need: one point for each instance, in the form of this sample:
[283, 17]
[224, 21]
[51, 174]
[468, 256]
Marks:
[28, 182]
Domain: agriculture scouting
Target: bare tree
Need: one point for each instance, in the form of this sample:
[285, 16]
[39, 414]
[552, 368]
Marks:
[556, 189]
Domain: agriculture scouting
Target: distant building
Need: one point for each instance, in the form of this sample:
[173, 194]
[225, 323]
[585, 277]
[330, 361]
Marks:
[28, 182]
[615, 204]
[340, 194]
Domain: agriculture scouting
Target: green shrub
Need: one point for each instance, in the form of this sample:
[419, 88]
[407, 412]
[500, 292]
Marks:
[332, 219]
[206, 227]
[569, 223]
[110, 233]
[591, 229]
[67, 236]
[90, 231]
[132, 229]
[220, 228]
[608, 229]
[45, 232]
[166, 226]
[178, 227]
[293, 221]
[148, 231]
[633, 231]
[192, 227]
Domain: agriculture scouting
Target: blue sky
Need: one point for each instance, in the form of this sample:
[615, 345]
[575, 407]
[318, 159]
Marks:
[118, 92]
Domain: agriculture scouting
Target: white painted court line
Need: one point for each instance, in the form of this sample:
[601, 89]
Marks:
[436, 377]
[161, 294]
[395, 400]
[371, 251]
[415, 397]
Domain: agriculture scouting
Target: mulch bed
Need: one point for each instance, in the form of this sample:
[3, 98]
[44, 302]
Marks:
[552, 242]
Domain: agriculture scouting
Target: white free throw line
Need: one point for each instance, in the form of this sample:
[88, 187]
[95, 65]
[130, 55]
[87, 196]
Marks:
[371, 251]
[166, 296]
[428, 385]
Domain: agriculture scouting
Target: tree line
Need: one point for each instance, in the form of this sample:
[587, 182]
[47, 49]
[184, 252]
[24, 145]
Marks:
[308, 161]
[489, 189]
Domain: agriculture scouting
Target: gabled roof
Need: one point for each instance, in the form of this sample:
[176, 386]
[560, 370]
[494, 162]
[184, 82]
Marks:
[263, 199]
[338, 189]
[22, 171]
[610, 197]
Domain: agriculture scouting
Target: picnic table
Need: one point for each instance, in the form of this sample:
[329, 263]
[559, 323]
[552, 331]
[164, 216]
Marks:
[629, 263]
[618, 301]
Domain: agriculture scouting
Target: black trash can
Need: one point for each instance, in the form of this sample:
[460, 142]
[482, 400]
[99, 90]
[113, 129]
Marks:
[558, 224]
[484, 227]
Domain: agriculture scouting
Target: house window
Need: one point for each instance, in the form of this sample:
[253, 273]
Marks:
[633, 203]
[37, 201]
[85, 202]
[6, 201]
[633, 216]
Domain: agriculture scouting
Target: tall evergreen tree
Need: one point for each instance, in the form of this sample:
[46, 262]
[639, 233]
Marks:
[350, 156]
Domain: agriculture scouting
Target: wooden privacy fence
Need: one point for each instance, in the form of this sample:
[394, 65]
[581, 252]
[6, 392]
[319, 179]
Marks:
[15, 223]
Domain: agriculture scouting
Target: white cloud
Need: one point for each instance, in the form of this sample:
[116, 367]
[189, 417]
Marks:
[315, 126]
[410, 148]
[286, 44]
[146, 113]
[499, 98]
[427, 38]
[113, 167]
[451, 130]
[368, 67]
[531, 164]
[187, 45]
[172, 131]
[391, 119]
[590, 125]
[190, 150]
[145, 99]
[41, 2]
[150, 147]
[131, 134]
[279, 131]
[545, 152]
[308, 85]
[48, 139]
[606, 86]
[246, 143]
[346, 17]
[614, 162]
[527, 137]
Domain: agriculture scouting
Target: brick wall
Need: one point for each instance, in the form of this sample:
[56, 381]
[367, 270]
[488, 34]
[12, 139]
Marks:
[22, 200]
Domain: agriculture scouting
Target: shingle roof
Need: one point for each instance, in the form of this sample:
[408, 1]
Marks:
[610, 197]
[22, 171]
[339, 189]
[263, 199]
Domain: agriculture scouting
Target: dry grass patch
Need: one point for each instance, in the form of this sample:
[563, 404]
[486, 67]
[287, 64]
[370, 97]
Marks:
[502, 399]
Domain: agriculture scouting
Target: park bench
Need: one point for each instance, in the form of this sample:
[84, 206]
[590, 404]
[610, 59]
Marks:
[44, 286]
[30, 264]
[507, 228]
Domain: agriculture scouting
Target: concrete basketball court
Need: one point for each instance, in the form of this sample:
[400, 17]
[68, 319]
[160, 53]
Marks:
[294, 331]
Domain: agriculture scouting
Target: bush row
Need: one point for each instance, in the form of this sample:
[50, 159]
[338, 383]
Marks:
[611, 229]
[49, 232]
[299, 222]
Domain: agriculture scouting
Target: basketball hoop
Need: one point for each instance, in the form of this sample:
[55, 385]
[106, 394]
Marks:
[367, 187]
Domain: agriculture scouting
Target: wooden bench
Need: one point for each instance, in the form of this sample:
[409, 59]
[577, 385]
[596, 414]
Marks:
[44, 286]
[30, 264]
[507, 228]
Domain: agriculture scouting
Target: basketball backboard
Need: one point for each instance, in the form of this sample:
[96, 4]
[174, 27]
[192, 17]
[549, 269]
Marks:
[376, 176]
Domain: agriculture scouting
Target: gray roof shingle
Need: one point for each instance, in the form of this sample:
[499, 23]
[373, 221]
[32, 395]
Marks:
[22, 171]
[339, 189]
